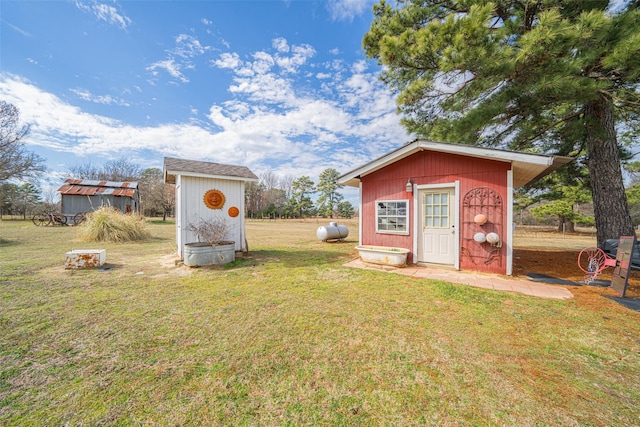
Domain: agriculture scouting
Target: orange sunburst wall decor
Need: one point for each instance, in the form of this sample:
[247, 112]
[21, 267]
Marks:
[214, 199]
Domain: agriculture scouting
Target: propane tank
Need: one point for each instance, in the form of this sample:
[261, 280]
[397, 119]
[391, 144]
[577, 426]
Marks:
[333, 231]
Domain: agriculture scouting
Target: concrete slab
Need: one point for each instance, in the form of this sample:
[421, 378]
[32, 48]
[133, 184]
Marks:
[484, 281]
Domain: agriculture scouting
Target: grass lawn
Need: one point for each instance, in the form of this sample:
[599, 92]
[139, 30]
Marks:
[287, 336]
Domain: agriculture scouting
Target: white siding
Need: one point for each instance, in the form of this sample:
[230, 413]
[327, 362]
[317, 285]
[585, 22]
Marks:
[179, 214]
[190, 204]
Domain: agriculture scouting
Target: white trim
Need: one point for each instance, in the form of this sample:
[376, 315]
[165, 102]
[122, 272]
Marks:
[528, 166]
[414, 227]
[360, 214]
[456, 210]
[406, 216]
[456, 217]
[509, 266]
[177, 173]
[243, 228]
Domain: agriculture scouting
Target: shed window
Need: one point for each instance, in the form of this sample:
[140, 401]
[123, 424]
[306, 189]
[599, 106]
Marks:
[392, 216]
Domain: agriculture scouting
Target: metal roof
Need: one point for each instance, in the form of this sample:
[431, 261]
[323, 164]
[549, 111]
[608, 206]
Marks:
[527, 167]
[174, 167]
[87, 187]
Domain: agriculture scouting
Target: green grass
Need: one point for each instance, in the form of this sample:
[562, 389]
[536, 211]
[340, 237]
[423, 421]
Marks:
[288, 336]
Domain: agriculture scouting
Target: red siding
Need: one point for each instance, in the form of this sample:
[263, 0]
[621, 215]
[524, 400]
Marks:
[424, 168]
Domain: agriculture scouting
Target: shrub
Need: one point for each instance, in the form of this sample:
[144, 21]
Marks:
[110, 225]
[212, 230]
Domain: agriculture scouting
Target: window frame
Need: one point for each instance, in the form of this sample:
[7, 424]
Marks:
[404, 232]
[433, 215]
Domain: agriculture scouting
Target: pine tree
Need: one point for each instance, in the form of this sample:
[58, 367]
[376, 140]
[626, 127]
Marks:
[300, 200]
[548, 76]
[328, 188]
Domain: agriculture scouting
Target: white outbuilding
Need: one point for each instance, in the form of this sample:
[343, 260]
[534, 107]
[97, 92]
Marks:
[207, 190]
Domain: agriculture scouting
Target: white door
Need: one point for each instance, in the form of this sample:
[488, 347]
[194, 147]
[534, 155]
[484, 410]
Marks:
[436, 237]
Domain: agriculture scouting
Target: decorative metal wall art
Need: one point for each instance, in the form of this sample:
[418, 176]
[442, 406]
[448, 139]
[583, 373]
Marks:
[214, 199]
[482, 228]
[233, 212]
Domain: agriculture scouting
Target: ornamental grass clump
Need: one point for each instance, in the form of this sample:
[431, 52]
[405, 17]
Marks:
[110, 225]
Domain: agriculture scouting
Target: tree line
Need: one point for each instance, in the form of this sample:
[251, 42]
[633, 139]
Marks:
[271, 197]
[290, 197]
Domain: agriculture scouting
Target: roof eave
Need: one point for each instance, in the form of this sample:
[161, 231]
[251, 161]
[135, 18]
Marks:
[541, 165]
[170, 176]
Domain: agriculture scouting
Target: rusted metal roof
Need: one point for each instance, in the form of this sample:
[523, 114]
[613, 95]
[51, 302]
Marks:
[174, 167]
[87, 187]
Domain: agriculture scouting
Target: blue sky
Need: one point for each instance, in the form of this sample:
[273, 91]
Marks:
[280, 86]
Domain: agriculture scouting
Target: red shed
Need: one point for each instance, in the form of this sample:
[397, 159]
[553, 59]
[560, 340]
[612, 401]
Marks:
[448, 204]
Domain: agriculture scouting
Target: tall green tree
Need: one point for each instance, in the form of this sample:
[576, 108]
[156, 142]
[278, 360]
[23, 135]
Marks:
[531, 74]
[20, 199]
[564, 208]
[29, 196]
[328, 187]
[346, 210]
[8, 194]
[300, 198]
[567, 187]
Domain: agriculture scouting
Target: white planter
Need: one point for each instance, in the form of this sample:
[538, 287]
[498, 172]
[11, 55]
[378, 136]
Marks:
[383, 255]
[85, 258]
[200, 254]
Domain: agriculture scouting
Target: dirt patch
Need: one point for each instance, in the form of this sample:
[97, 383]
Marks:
[563, 264]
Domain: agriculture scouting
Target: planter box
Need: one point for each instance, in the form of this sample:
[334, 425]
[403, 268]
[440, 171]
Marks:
[383, 255]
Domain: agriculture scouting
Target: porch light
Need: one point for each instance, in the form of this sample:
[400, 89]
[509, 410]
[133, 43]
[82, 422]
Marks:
[409, 186]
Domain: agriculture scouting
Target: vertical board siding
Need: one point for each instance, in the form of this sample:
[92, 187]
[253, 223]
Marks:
[179, 214]
[429, 168]
[192, 190]
[73, 204]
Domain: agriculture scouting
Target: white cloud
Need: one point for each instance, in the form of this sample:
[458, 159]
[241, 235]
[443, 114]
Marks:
[266, 88]
[275, 118]
[179, 58]
[99, 99]
[346, 10]
[262, 62]
[228, 60]
[170, 66]
[16, 29]
[301, 54]
[188, 46]
[280, 44]
[105, 12]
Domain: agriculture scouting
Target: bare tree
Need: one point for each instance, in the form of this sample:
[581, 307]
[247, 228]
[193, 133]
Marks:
[286, 183]
[15, 161]
[156, 196]
[86, 170]
[121, 170]
[114, 170]
[269, 180]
